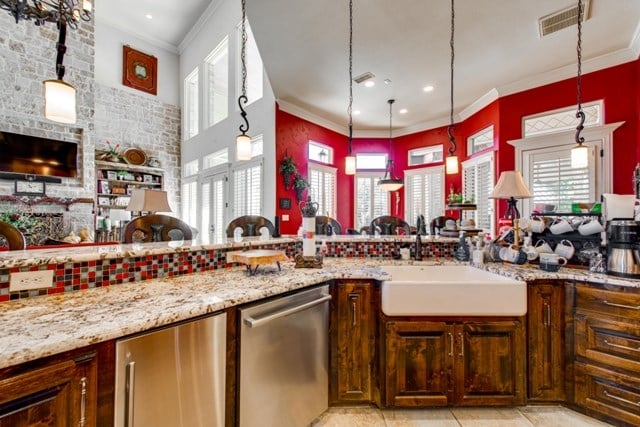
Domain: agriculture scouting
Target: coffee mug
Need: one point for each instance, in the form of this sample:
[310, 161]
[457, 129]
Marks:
[591, 226]
[543, 247]
[552, 259]
[531, 252]
[510, 254]
[537, 224]
[450, 224]
[565, 249]
[560, 226]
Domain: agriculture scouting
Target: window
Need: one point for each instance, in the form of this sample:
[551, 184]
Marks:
[371, 200]
[320, 153]
[424, 193]
[190, 202]
[323, 188]
[214, 191]
[257, 146]
[477, 179]
[190, 168]
[480, 141]
[426, 155]
[371, 161]
[218, 158]
[254, 66]
[217, 83]
[247, 190]
[191, 101]
[562, 120]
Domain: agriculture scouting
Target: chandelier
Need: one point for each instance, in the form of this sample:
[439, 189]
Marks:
[42, 11]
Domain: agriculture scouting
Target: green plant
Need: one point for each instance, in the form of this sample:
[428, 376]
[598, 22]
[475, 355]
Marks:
[288, 170]
[300, 184]
[25, 223]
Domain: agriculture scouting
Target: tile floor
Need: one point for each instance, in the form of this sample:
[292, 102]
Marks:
[528, 416]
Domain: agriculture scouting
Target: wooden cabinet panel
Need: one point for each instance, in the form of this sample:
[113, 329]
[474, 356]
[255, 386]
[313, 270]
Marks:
[546, 342]
[352, 342]
[624, 302]
[492, 363]
[419, 358]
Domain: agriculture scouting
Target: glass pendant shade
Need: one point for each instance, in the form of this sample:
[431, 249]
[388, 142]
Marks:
[59, 101]
[580, 157]
[451, 165]
[350, 165]
[390, 184]
[243, 147]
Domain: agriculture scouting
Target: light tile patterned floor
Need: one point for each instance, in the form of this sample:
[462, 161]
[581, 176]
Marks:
[529, 416]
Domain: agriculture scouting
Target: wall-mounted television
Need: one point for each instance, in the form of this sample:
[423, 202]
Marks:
[32, 155]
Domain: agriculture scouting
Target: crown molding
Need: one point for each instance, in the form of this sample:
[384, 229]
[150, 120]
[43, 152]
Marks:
[635, 42]
[197, 27]
[479, 104]
[305, 114]
[152, 41]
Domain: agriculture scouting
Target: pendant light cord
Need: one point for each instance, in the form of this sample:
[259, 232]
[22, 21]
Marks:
[452, 140]
[580, 114]
[390, 166]
[62, 48]
[242, 99]
[350, 108]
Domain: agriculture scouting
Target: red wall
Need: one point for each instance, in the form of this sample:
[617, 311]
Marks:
[618, 86]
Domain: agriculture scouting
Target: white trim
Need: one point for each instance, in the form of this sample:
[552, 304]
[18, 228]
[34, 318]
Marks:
[304, 114]
[479, 104]
[425, 170]
[142, 36]
[473, 161]
[471, 140]
[323, 168]
[634, 45]
[199, 25]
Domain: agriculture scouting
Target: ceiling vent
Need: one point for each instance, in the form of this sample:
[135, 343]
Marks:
[364, 77]
[562, 19]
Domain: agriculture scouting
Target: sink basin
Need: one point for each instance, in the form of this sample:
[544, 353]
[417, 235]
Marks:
[451, 290]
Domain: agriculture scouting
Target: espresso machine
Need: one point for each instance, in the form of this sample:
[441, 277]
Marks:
[623, 253]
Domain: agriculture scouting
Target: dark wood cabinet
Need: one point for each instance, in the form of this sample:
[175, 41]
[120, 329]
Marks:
[439, 363]
[59, 392]
[545, 327]
[352, 342]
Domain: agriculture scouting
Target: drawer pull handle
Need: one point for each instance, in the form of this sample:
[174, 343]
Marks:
[622, 347]
[630, 307]
[83, 402]
[621, 399]
[547, 315]
[451, 343]
[355, 312]
[461, 344]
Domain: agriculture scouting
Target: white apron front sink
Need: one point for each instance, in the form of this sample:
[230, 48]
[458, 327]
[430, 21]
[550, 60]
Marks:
[451, 290]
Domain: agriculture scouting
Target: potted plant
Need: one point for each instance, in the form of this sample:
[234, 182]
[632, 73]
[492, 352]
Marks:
[288, 171]
[300, 184]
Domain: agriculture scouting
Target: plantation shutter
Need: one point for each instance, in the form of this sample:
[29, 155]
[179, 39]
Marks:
[322, 180]
[425, 193]
[205, 214]
[247, 185]
[218, 209]
[371, 200]
[478, 186]
[189, 203]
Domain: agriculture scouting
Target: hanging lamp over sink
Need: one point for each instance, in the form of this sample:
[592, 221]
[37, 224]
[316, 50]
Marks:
[389, 182]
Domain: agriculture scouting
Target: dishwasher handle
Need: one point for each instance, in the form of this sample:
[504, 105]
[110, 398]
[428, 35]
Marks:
[254, 323]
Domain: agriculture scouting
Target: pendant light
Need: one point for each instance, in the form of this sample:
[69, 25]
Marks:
[388, 182]
[579, 154]
[59, 96]
[350, 160]
[243, 141]
[451, 165]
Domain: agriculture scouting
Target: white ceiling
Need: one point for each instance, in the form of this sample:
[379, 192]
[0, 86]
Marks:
[304, 45]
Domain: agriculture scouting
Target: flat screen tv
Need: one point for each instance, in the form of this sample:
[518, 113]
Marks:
[33, 155]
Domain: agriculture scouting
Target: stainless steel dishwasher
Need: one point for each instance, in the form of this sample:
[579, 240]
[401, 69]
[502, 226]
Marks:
[284, 353]
[174, 377]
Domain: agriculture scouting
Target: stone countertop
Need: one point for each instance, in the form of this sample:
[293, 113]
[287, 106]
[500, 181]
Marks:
[42, 326]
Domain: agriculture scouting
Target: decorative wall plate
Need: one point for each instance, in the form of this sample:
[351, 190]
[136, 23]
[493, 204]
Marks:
[139, 70]
[135, 156]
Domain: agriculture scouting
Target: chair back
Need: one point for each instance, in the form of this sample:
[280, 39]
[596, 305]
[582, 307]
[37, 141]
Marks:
[172, 228]
[321, 225]
[251, 225]
[389, 225]
[438, 222]
[14, 237]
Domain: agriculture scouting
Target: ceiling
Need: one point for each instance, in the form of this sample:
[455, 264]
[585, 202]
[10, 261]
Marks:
[304, 45]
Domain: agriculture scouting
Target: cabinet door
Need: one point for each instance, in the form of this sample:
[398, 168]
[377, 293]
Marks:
[490, 363]
[546, 349]
[352, 352]
[418, 363]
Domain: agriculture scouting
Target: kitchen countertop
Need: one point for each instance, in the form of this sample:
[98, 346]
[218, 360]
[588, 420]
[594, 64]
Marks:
[42, 326]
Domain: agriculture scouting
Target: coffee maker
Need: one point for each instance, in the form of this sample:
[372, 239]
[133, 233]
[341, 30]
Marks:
[623, 254]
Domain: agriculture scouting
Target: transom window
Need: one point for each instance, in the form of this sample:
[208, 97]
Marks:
[371, 161]
[480, 141]
[320, 153]
[217, 83]
[426, 155]
[562, 119]
[218, 158]
[190, 168]
[191, 101]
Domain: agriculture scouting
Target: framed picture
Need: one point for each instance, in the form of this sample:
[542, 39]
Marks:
[147, 178]
[112, 175]
[139, 70]
[29, 188]
[285, 203]
[104, 187]
[103, 201]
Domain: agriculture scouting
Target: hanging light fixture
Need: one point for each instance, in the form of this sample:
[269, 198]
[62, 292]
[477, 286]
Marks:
[350, 160]
[579, 154]
[243, 141]
[451, 164]
[388, 182]
[60, 96]
[42, 11]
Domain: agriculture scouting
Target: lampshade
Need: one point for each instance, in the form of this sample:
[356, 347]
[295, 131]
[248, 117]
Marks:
[59, 101]
[350, 165]
[148, 201]
[451, 165]
[580, 156]
[243, 147]
[510, 185]
[390, 184]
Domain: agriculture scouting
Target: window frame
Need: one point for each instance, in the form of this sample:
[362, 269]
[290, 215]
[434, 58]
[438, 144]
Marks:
[325, 169]
[249, 164]
[427, 149]
[207, 104]
[364, 170]
[330, 153]
[371, 176]
[474, 162]
[471, 147]
[187, 135]
[408, 205]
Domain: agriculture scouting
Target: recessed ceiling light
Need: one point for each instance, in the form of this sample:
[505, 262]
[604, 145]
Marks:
[356, 112]
[369, 83]
[148, 16]
[387, 81]
[428, 88]
[404, 111]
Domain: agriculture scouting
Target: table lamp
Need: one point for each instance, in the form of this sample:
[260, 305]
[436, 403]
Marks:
[151, 201]
[511, 187]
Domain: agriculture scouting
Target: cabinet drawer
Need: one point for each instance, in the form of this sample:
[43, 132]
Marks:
[608, 393]
[623, 303]
[607, 341]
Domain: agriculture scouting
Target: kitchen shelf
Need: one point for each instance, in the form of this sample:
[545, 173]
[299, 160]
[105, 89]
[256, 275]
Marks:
[123, 181]
[462, 206]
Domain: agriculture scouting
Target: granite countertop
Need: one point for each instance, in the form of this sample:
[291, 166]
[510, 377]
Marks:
[37, 327]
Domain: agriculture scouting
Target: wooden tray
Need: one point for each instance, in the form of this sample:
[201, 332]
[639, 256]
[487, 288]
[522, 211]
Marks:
[257, 257]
